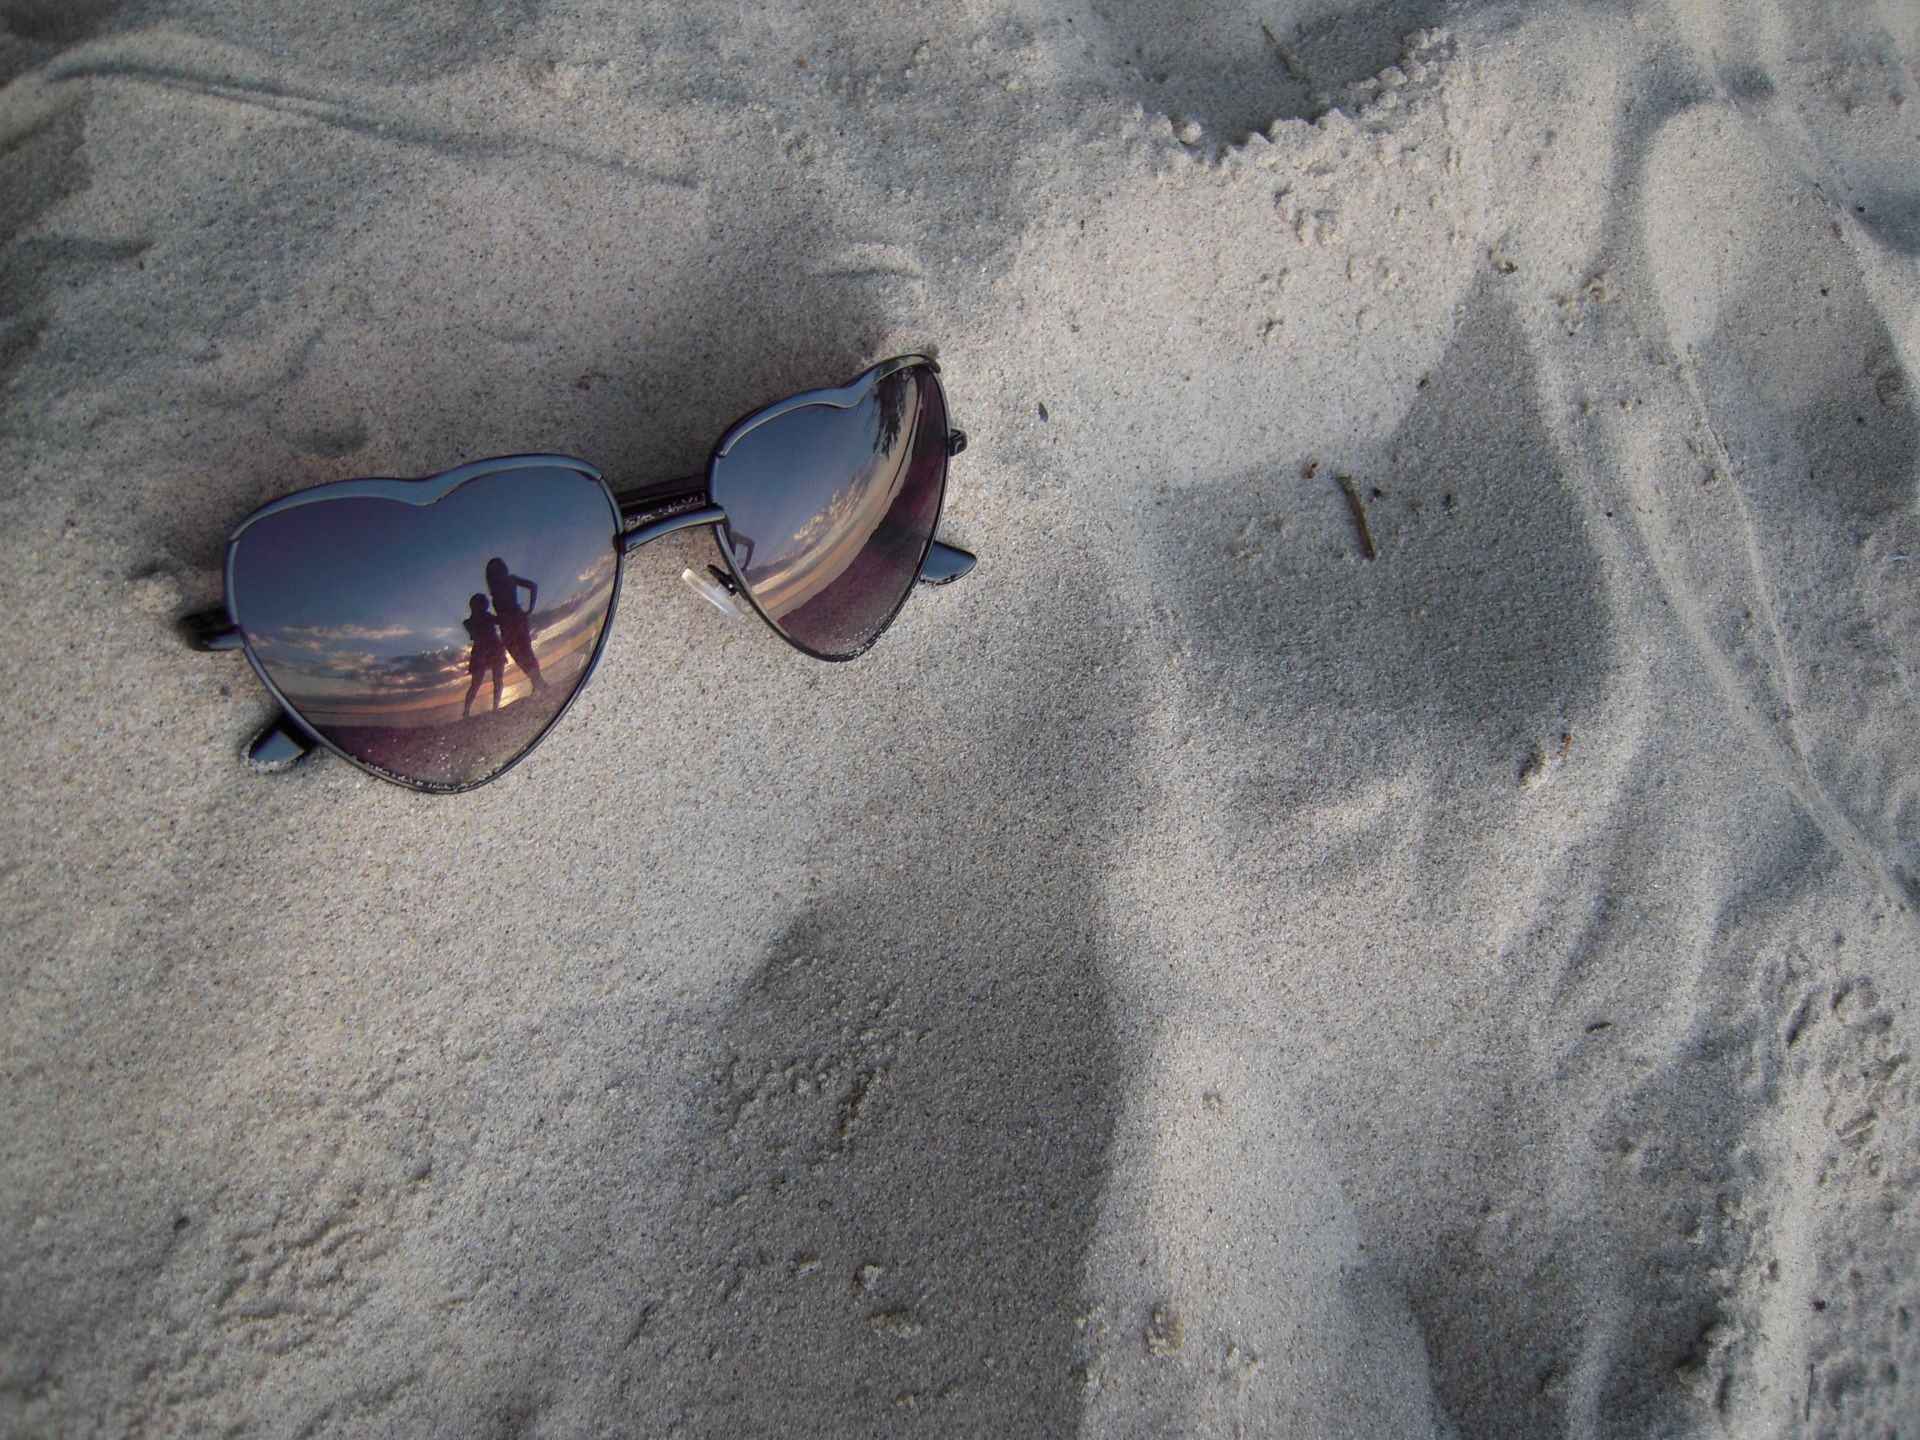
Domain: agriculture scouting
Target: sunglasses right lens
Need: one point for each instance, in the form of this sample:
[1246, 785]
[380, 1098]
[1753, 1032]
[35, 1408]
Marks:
[830, 510]
[433, 642]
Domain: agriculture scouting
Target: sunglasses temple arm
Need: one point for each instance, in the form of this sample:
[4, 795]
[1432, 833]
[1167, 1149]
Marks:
[283, 741]
[280, 744]
[945, 564]
[209, 630]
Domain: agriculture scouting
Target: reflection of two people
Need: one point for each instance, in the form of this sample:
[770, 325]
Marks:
[502, 631]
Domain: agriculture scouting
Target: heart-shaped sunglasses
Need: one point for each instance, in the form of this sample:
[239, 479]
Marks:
[433, 631]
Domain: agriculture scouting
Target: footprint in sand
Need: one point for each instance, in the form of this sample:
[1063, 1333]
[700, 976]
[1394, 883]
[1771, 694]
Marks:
[1231, 70]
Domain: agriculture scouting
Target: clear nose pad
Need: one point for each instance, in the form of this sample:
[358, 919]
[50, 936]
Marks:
[716, 590]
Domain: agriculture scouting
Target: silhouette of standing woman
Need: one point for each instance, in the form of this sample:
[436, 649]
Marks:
[515, 631]
[488, 652]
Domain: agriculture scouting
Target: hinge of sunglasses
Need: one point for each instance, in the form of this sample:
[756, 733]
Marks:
[719, 592]
[956, 441]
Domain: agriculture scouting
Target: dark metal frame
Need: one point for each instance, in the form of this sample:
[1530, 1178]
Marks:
[642, 515]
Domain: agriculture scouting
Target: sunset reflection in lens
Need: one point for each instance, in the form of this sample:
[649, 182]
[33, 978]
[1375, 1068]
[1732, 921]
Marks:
[830, 510]
[433, 642]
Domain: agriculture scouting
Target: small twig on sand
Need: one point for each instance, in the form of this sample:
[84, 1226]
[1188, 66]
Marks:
[1280, 52]
[1367, 547]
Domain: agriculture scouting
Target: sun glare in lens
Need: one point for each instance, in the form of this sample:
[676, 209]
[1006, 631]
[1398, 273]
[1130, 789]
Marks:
[436, 642]
[830, 510]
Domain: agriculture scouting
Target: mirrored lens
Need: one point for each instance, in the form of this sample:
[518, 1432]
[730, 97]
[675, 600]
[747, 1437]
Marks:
[434, 642]
[830, 510]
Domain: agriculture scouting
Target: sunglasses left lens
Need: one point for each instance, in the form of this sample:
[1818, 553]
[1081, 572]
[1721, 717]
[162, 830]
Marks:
[433, 642]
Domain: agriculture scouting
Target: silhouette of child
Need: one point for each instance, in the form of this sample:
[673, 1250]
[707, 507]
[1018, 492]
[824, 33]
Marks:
[488, 652]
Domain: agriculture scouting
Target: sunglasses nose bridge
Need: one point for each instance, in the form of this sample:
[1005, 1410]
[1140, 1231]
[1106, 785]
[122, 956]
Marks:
[653, 529]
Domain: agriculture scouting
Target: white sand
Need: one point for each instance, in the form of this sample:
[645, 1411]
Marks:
[1190, 978]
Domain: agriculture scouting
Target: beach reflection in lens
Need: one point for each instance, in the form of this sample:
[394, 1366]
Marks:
[830, 510]
[434, 642]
